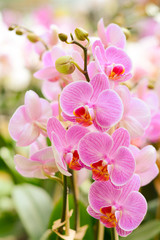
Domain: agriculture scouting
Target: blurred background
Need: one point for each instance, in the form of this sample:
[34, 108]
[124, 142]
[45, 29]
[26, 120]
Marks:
[26, 204]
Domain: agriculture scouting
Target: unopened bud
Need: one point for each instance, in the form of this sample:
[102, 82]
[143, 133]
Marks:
[33, 37]
[19, 32]
[81, 34]
[12, 27]
[63, 37]
[64, 65]
[126, 32]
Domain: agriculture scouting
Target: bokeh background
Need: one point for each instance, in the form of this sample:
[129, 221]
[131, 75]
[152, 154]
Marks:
[29, 206]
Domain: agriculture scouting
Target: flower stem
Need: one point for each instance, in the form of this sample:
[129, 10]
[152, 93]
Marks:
[65, 203]
[85, 56]
[100, 231]
[114, 234]
[75, 195]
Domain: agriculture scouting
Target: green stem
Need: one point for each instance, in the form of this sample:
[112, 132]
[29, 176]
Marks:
[85, 56]
[78, 67]
[100, 231]
[114, 235]
[75, 195]
[65, 192]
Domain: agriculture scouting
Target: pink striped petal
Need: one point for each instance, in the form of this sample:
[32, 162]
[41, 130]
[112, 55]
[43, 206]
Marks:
[47, 59]
[48, 73]
[109, 108]
[17, 123]
[121, 232]
[132, 185]
[115, 36]
[74, 135]
[33, 105]
[94, 147]
[51, 90]
[74, 95]
[46, 111]
[92, 69]
[123, 166]
[102, 32]
[134, 127]
[135, 208]
[148, 176]
[119, 56]
[98, 45]
[120, 138]
[28, 168]
[28, 135]
[99, 83]
[61, 165]
[102, 194]
[56, 127]
[140, 111]
[93, 213]
[149, 170]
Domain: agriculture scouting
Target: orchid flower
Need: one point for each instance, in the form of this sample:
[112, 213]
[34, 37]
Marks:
[30, 119]
[136, 116]
[122, 208]
[108, 156]
[65, 145]
[112, 35]
[91, 103]
[146, 166]
[40, 165]
[113, 61]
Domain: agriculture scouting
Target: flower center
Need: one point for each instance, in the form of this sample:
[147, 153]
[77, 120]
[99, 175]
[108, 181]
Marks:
[100, 171]
[116, 71]
[83, 116]
[108, 218]
[75, 163]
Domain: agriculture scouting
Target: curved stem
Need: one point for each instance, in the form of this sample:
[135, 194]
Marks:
[85, 56]
[78, 67]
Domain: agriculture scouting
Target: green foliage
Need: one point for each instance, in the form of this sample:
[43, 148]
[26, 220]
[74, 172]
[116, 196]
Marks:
[33, 206]
[146, 231]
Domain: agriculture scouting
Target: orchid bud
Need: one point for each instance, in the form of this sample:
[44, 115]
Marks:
[33, 37]
[81, 34]
[19, 31]
[126, 32]
[63, 37]
[65, 65]
[12, 27]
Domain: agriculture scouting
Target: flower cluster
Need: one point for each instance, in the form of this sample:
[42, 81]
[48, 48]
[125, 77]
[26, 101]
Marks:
[94, 122]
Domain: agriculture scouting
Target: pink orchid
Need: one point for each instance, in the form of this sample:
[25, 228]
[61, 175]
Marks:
[146, 166]
[87, 103]
[113, 61]
[153, 131]
[30, 119]
[40, 165]
[112, 35]
[122, 208]
[149, 96]
[108, 156]
[65, 145]
[136, 116]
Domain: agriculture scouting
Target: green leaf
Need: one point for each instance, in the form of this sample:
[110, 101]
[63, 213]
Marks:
[85, 218]
[34, 206]
[146, 231]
